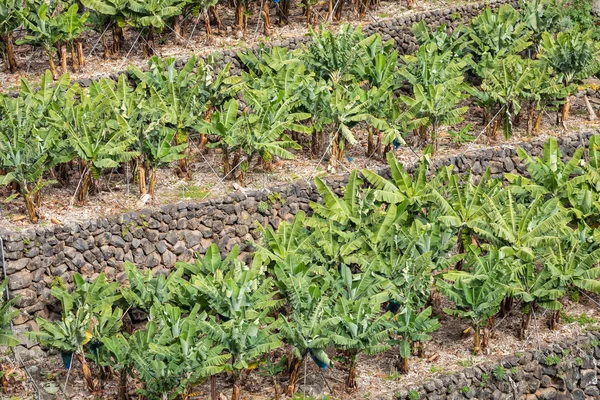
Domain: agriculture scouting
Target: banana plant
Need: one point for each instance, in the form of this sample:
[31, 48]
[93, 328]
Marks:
[402, 186]
[361, 328]
[201, 8]
[413, 327]
[332, 56]
[240, 300]
[476, 293]
[145, 289]
[309, 325]
[7, 314]
[172, 354]
[72, 25]
[11, 17]
[348, 108]
[110, 14]
[521, 230]
[179, 97]
[507, 84]
[497, 33]
[438, 89]
[543, 91]
[549, 172]
[88, 313]
[265, 126]
[28, 150]
[451, 45]
[147, 17]
[458, 204]
[101, 139]
[573, 55]
[571, 265]
[43, 31]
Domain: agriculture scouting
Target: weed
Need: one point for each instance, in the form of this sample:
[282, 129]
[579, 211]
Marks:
[455, 16]
[413, 395]
[275, 198]
[581, 319]
[514, 370]
[435, 369]
[263, 207]
[392, 377]
[466, 363]
[578, 361]
[465, 389]
[485, 377]
[499, 372]
[552, 360]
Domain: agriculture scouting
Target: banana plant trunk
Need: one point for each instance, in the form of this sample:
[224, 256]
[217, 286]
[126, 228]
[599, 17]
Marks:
[226, 164]
[555, 320]
[265, 16]
[84, 188]
[74, 59]
[213, 388]
[294, 375]
[32, 211]
[80, 54]
[351, 380]
[117, 39]
[122, 394]
[105, 49]
[338, 10]
[62, 56]
[525, 321]
[176, 21]
[215, 13]
[370, 145]
[477, 340]
[380, 144]
[209, 33]
[11, 60]
[180, 138]
[236, 394]
[530, 118]
[51, 64]
[239, 15]
[141, 177]
[87, 372]
[276, 388]
[149, 43]
[403, 365]
[565, 110]
[152, 183]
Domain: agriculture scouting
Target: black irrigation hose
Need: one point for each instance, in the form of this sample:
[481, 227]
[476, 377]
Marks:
[18, 358]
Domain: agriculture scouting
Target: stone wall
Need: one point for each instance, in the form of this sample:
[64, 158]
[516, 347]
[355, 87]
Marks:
[567, 370]
[157, 238]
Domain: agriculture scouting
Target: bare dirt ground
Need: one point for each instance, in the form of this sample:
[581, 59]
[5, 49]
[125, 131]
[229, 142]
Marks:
[33, 62]
[119, 194]
[449, 351]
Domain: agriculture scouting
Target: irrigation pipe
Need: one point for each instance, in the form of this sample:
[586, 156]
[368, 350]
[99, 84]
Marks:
[18, 358]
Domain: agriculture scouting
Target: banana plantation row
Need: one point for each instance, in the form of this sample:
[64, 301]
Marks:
[361, 275]
[57, 26]
[321, 96]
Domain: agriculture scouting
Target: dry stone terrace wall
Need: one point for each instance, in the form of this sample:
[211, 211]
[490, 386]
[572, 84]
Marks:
[397, 29]
[563, 371]
[158, 238]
